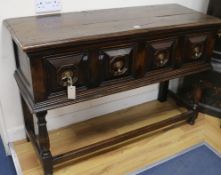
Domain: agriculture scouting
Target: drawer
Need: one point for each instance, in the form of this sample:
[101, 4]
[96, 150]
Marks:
[195, 47]
[60, 68]
[116, 62]
[161, 53]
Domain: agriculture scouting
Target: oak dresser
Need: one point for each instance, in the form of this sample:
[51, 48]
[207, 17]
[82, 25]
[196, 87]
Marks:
[62, 59]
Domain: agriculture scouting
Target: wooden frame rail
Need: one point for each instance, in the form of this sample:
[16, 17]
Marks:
[121, 138]
[87, 150]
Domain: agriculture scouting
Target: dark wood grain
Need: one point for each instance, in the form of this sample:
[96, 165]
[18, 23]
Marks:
[44, 143]
[28, 117]
[207, 82]
[163, 91]
[103, 52]
[33, 33]
[60, 100]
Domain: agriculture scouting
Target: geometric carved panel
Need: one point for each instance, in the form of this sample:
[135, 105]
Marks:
[59, 68]
[161, 53]
[117, 62]
[195, 47]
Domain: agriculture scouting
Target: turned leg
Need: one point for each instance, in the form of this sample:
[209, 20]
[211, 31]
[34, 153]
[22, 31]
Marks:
[197, 94]
[193, 118]
[163, 91]
[44, 143]
[28, 118]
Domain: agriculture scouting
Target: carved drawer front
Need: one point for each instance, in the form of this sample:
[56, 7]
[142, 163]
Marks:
[161, 53]
[195, 47]
[117, 62]
[66, 70]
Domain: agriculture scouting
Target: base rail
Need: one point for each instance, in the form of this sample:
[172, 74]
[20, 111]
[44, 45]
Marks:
[121, 138]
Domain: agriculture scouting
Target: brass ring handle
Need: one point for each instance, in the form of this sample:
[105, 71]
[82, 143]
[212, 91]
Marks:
[197, 53]
[118, 68]
[161, 59]
[68, 78]
[161, 56]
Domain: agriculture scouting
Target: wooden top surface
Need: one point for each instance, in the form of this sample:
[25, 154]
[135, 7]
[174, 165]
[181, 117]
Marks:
[41, 31]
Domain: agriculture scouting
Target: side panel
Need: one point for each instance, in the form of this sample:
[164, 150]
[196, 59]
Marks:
[23, 68]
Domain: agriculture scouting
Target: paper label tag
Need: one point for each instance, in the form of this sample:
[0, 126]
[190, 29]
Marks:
[72, 92]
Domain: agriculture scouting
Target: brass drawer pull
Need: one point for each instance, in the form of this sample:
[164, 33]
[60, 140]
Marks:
[162, 59]
[118, 66]
[68, 78]
[197, 53]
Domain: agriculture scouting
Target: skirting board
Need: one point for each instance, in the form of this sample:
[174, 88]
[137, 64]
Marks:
[90, 109]
[15, 159]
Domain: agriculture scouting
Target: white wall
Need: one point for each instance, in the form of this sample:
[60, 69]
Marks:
[11, 121]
